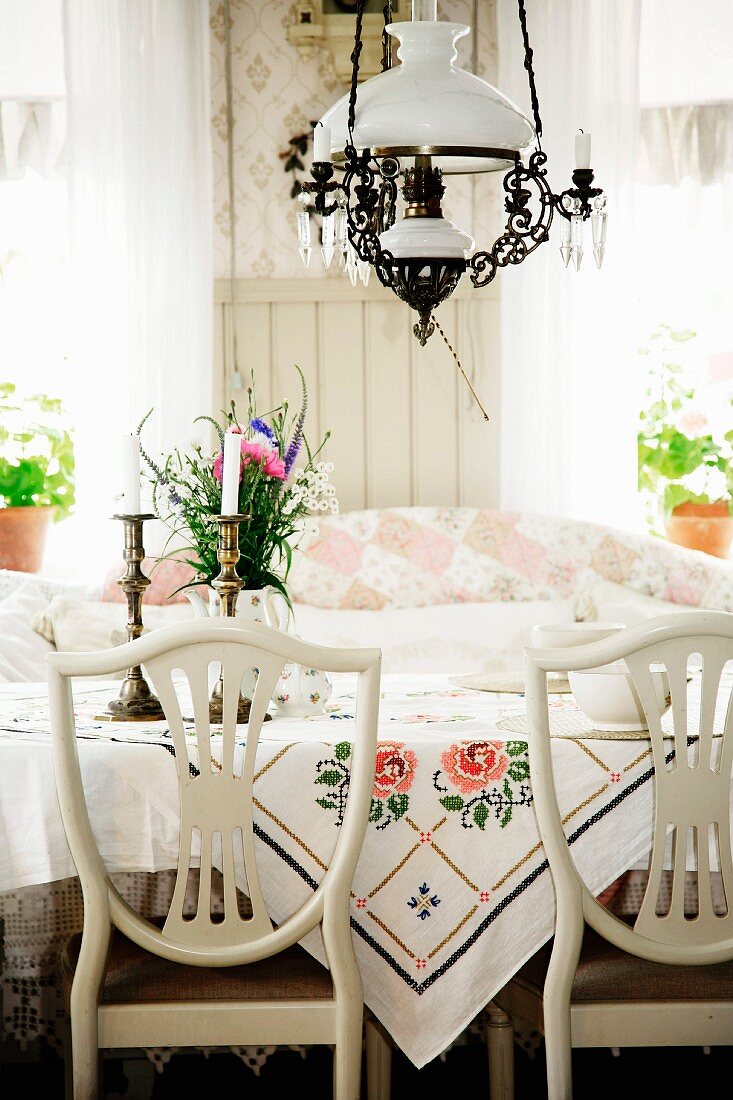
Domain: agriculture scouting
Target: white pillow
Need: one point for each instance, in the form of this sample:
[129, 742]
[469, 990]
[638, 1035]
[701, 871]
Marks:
[82, 626]
[450, 638]
[22, 651]
[604, 601]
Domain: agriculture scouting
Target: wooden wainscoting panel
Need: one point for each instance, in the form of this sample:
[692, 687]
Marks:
[434, 401]
[404, 428]
[388, 404]
[341, 397]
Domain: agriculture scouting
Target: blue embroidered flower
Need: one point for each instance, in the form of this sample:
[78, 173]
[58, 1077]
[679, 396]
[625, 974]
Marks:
[425, 903]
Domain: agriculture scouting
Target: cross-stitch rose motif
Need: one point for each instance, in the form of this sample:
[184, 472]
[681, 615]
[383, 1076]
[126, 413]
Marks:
[492, 776]
[394, 770]
[474, 764]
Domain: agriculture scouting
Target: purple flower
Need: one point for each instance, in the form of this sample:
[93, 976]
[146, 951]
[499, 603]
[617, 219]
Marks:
[260, 426]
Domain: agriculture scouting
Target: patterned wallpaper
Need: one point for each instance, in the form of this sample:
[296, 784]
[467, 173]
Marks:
[275, 95]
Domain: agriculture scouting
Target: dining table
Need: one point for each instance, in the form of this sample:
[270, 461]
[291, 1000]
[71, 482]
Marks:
[452, 892]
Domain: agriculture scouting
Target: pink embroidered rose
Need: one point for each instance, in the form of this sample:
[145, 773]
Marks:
[472, 765]
[395, 769]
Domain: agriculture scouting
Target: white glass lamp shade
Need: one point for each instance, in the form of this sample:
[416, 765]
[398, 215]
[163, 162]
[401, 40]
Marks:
[429, 238]
[426, 103]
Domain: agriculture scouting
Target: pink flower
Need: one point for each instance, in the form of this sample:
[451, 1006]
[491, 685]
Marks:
[472, 765]
[395, 769]
[254, 454]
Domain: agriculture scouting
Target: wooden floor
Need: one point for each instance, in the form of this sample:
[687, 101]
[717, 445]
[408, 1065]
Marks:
[676, 1073]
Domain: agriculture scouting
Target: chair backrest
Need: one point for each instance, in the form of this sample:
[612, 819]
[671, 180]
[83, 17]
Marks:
[692, 780]
[215, 803]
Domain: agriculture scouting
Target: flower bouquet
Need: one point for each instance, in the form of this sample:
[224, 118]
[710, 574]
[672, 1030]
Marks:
[282, 485]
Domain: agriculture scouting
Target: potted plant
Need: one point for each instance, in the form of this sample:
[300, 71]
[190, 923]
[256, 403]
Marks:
[36, 475]
[685, 468]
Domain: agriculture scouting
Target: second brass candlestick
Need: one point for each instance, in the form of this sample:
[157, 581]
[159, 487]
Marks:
[228, 584]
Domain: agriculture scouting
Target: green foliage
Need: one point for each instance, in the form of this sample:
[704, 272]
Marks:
[36, 452]
[187, 493]
[674, 465]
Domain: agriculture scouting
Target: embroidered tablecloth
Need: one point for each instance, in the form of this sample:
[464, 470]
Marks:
[452, 892]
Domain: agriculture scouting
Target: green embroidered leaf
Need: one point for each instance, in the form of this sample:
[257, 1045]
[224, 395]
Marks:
[375, 810]
[342, 751]
[398, 804]
[480, 814]
[518, 770]
[508, 794]
[516, 748]
[506, 818]
[330, 778]
[452, 802]
[326, 803]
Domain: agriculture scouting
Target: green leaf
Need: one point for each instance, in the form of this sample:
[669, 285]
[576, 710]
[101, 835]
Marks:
[452, 802]
[326, 803]
[508, 793]
[515, 748]
[506, 817]
[342, 751]
[480, 815]
[375, 810]
[518, 770]
[398, 805]
[329, 778]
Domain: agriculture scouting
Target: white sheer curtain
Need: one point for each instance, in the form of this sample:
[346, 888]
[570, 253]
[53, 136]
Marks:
[568, 418]
[139, 175]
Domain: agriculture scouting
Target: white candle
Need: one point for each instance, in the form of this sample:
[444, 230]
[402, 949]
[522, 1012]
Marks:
[131, 454]
[321, 142]
[582, 150]
[230, 474]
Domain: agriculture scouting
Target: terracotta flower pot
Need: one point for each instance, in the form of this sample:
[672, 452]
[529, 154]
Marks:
[707, 527]
[23, 534]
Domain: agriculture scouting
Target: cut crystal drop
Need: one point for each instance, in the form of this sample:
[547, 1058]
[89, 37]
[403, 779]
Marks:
[304, 229]
[599, 251]
[328, 237]
[365, 270]
[327, 254]
[305, 255]
[576, 239]
[565, 241]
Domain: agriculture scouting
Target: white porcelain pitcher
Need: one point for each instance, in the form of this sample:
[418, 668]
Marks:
[258, 605]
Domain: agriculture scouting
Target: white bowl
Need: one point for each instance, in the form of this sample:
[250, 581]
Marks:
[570, 634]
[607, 696]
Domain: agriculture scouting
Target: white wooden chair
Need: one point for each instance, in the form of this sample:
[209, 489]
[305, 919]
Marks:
[200, 982]
[668, 979]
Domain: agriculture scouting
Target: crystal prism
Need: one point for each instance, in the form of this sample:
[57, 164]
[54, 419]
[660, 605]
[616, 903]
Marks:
[599, 220]
[305, 255]
[576, 239]
[328, 238]
[365, 270]
[565, 241]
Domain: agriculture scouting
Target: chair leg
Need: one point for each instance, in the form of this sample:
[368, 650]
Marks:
[378, 1062]
[500, 1051]
[347, 1055]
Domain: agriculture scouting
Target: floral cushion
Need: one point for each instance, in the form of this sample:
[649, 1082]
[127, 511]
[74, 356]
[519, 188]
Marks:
[415, 557]
[166, 577]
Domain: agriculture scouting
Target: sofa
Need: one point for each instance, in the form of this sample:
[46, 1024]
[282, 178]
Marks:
[438, 589]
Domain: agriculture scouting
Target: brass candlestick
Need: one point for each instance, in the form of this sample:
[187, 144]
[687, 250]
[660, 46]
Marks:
[136, 702]
[228, 584]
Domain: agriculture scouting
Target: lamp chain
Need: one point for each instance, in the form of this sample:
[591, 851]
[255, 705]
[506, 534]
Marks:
[453, 352]
[355, 54]
[386, 51]
[530, 72]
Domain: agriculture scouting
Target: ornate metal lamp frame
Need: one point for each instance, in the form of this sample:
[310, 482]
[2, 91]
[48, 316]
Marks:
[368, 192]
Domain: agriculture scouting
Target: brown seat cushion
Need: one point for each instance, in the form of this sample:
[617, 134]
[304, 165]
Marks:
[606, 973]
[134, 975]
